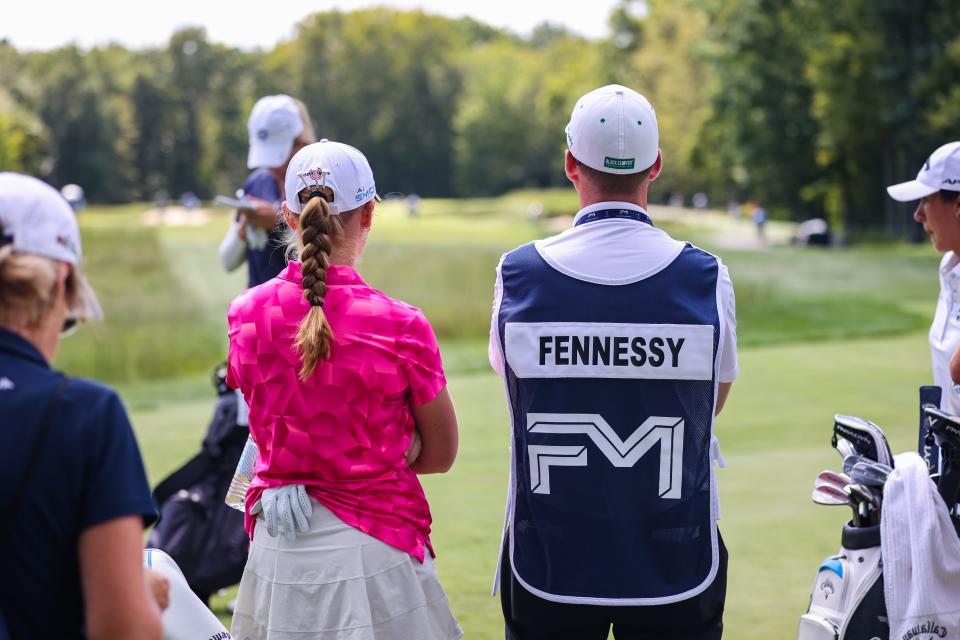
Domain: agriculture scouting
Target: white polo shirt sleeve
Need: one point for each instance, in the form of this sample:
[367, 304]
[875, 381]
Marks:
[494, 353]
[944, 336]
[729, 364]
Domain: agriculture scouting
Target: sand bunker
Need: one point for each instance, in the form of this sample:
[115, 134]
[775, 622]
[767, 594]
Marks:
[176, 216]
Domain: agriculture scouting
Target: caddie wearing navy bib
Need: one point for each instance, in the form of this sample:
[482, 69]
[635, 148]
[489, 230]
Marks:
[617, 347]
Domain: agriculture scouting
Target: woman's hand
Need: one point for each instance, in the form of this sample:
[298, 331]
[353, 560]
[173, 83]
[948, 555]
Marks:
[413, 451]
[263, 215]
[242, 226]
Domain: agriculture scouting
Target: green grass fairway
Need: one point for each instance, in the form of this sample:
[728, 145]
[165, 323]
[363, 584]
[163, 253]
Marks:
[821, 332]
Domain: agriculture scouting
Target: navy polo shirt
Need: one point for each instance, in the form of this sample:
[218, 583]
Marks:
[89, 472]
[264, 264]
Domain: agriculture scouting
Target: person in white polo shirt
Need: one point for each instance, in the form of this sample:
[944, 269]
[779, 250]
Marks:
[617, 346]
[937, 192]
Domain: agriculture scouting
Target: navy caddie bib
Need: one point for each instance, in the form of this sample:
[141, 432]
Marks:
[611, 390]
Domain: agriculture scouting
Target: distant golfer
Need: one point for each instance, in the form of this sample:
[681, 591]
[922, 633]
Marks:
[279, 126]
[937, 190]
[617, 345]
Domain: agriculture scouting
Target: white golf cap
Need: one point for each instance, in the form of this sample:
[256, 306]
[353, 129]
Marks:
[274, 124]
[940, 171]
[614, 129]
[338, 169]
[35, 219]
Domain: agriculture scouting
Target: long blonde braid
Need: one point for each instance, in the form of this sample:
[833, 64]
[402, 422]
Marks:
[318, 228]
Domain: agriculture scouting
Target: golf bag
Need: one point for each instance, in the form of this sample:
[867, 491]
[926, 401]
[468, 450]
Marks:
[204, 536]
[848, 600]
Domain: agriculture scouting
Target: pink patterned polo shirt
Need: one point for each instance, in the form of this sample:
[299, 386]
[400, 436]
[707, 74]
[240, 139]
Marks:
[343, 432]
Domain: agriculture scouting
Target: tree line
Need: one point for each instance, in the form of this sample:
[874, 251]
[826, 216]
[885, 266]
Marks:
[807, 106]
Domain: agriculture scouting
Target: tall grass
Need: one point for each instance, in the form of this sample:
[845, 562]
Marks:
[152, 330]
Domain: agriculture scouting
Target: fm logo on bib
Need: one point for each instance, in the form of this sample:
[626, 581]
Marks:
[668, 432]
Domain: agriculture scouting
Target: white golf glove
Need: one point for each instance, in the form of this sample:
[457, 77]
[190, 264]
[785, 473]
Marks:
[286, 510]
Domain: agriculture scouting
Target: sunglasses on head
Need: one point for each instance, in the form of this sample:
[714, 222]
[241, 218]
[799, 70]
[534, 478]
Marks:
[70, 325]
[70, 322]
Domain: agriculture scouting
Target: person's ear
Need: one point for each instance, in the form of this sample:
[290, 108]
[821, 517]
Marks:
[292, 219]
[657, 166]
[60, 288]
[366, 215]
[571, 168]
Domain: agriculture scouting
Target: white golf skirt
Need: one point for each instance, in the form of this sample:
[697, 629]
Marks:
[338, 583]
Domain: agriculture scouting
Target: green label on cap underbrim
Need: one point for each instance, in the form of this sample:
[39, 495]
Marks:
[618, 163]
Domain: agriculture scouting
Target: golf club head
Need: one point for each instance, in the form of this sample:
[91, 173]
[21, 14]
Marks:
[944, 428]
[826, 483]
[865, 437]
[844, 448]
[832, 478]
[869, 474]
[830, 496]
[850, 461]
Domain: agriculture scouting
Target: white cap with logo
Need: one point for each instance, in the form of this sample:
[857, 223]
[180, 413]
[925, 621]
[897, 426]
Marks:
[35, 219]
[334, 168]
[274, 124]
[941, 171]
[614, 129]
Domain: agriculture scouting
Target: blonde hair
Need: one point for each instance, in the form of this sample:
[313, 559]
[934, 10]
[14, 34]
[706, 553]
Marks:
[307, 136]
[27, 283]
[318, 228]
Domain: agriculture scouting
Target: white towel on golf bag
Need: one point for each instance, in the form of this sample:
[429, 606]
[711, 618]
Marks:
[921, 555]
[187, 618]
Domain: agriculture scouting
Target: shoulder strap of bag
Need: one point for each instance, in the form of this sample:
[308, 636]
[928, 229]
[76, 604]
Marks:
[10, 515]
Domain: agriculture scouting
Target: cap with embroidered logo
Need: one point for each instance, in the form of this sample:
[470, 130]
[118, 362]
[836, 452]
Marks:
[614, 129]
[336, 169]
[274, 124]
[941, 171]
[36, 219]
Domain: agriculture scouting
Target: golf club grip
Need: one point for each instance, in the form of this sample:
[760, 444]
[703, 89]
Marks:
[930, 395]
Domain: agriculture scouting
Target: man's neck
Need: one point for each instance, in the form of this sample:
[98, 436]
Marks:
[588, 198]
[640, 202]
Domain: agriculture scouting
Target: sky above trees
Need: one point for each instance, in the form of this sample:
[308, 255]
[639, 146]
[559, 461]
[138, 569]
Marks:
[246, 24]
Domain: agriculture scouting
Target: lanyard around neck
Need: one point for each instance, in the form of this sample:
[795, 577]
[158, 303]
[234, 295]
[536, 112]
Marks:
[608, 214]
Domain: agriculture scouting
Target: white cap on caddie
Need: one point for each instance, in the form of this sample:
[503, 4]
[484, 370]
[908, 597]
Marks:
[614, 129]
[334, 168]
[940, 171]
[274, 124]
[35, 219]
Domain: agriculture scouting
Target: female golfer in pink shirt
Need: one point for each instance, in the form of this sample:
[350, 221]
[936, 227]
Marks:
[344, 385]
